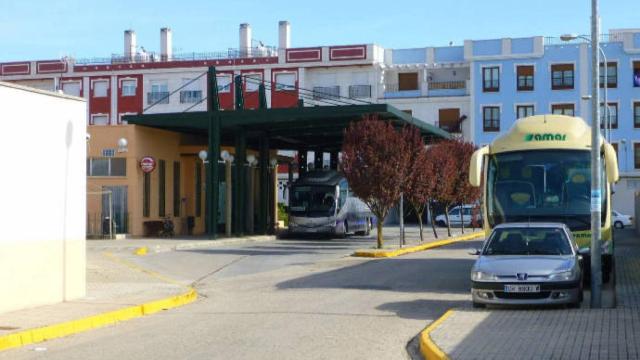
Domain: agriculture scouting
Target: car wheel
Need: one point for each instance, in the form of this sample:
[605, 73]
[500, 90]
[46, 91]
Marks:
[478, 305]
[618, 225]
[441, 223]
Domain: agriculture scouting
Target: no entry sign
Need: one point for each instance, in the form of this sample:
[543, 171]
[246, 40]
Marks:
[147, 164]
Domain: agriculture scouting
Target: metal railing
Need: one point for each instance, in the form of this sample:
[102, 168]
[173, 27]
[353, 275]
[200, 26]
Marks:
[146, 57]
[158, 97]
[326, 92]
[442, 85]
[393, 87]
[359, 91]
[190, 96]
[451, 127]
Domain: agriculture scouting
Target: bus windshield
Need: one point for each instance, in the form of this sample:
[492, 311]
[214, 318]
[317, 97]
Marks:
[313, 201]
[541, 185]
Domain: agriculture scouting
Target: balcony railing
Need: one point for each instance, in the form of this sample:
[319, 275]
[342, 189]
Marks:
[190, 96]
[326, 92]
[394, 87]
[160, 97]
[146, 57]
[359, 91]
[444, 85]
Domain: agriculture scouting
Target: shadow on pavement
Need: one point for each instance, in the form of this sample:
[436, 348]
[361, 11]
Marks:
[248, 252]
[404, 275]
[422, 309]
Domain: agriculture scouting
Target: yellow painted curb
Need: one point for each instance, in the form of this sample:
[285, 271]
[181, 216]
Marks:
[141, 251]
[428, 348]
[422, 247]
[36, 335]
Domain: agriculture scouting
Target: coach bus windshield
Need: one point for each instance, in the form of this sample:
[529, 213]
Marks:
[313, 201]
[541, 185]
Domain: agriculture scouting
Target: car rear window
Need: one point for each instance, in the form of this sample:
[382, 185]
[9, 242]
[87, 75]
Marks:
[528, 241]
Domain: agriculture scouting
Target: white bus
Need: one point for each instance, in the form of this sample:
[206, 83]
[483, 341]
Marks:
[321, 202]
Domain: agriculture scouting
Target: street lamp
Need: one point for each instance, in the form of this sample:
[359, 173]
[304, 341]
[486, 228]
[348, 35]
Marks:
[203, 156]
[596, 196]
[123, 145]
[607, 123]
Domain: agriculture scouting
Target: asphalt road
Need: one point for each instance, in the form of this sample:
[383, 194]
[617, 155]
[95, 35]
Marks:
[287, 299]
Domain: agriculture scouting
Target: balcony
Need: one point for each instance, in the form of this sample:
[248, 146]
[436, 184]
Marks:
[447, 88]
[190, 96]
[395, 91]
[326, 92]
[359, 91]
[160, 97]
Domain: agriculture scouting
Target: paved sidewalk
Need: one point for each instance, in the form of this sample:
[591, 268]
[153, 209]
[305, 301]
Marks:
[159, 245]
[555, 333]
[111, 285]
[412, 235]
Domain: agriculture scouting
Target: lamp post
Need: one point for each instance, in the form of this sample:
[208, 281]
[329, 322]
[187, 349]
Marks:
[228, 160]
[607, 119]
[596, 196]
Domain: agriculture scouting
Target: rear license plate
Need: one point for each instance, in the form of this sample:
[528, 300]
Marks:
[522, 288]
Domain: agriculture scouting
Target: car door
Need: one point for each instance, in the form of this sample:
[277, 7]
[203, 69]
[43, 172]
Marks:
[454, 216]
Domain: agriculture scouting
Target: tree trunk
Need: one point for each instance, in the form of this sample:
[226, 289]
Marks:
[419, 214]
[461, 219]
[379, 227]
[446, 216]
[433, 223]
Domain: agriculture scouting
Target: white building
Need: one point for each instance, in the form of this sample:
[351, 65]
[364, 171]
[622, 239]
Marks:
[44, 196]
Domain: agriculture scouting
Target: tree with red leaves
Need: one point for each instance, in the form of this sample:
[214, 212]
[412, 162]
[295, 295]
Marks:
[420, 182]
[467, 194]
[374, 161]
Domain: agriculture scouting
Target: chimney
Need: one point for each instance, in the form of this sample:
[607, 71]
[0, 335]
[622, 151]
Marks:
[245, 40]
[129, 44]
[284, 35]
[166, 44]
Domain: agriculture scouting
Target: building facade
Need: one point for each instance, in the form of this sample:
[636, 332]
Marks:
[476, 90]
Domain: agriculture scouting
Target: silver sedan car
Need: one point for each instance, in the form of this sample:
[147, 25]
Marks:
[528, 263]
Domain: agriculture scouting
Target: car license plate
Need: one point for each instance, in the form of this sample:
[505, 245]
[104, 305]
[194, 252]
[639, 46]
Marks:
[522, 288]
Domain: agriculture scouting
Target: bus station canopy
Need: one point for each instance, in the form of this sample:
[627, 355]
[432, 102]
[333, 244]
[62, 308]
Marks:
[310, 127]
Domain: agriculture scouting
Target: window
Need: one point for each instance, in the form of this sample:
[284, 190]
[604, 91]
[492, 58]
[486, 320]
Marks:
[408, 81]
[252, 82]
[613, 115]
[636, 73]
[562, 76]
[636, 114]
[563, 109]
[491, 118]
[129, 87]
[176, 188]
[491, 79]
[636, 155]
[106, 166]
[161, 187]
[524, 111]
[224, 83]
[146, 194]
[359, 91]
[71, 88]
[198, 195]
[525, 77]
[100, 88]
[285, 81]
[612, 74]
[99, 119]
[159, 93]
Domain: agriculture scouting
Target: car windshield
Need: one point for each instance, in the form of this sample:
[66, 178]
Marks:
[528, 241]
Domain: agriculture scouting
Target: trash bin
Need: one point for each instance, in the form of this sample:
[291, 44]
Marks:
[191, 223]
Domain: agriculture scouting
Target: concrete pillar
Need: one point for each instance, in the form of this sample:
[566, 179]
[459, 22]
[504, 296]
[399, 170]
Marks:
[263, 166]
[211, 188]
[130, 45]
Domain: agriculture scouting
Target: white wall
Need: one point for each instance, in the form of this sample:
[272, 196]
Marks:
[43, 192]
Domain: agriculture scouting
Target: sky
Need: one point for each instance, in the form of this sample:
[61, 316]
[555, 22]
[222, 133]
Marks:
[48, 29]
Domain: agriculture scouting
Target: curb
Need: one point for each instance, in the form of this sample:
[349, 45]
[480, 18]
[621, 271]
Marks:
[428, 348]
[422, 247]
[55, 331]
